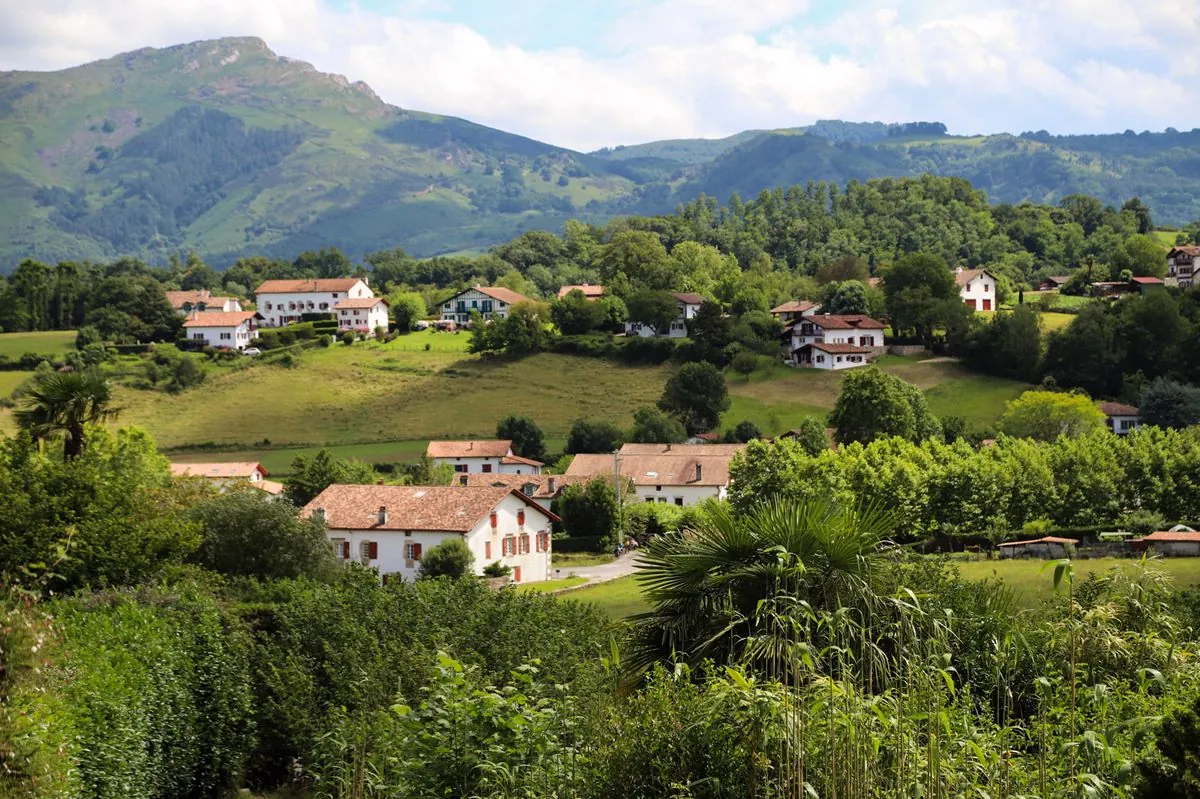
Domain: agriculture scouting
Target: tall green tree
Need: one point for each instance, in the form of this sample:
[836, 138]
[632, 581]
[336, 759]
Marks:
[575, 314]
[311, 476]
[1046, 415]
[65, 404]
[528, 440]
[874, 404]
[593, 435]
[590, 509]
[922, 296]
[654, 309]
[639, 257]
[1169, 404]
[452, 558]
[696, 395]
[652, 426]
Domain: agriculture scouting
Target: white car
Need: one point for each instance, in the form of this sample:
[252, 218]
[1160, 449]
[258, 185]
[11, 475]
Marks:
[252, 351]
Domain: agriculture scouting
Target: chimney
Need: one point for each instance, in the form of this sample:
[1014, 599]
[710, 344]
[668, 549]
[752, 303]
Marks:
[383, 514]
[550, 485]
[318, 514]
[699, 472]
[668, 446]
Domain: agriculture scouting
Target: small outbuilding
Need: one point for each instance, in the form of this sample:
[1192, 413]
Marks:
[1046, 547]
[1177, 543]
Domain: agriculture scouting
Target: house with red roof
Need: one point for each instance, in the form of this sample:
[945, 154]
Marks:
[790, 311]
[977, 288]
[1181, 265]
[224, 473]
[284, 302]
[231, 330]
[490, 302]
[1178, 542]
[833, 341]
[1121, 418]
[689, 306]
[590, 293]
[362, 314]
[483, 457]
[1049, 546]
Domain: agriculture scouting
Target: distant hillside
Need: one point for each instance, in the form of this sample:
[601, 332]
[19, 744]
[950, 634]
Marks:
[227, 148]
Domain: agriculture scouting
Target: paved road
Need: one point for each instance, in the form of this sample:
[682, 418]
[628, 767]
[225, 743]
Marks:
[620, 567]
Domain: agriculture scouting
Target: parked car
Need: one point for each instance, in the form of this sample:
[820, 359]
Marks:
[252, 351]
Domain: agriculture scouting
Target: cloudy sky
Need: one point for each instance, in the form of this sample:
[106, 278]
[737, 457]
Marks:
[588, 73]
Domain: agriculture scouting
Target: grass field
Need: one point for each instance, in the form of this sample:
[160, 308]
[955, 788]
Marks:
[565, 560]
[551, 585]
[1050, 320]
[10, 380]
[1032, 580]
[48, 342]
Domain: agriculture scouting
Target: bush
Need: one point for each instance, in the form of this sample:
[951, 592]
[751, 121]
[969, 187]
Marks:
[347, 338]
[496, 569]
[452, 558]
[246, 532]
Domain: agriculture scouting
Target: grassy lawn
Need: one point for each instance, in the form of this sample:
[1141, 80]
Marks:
[1056, 321]
[547, 586]
[565, 560]
[279, 461]
[10, 380]
[1034, 581]
[979, 399]
[618, 598]
[46, 342]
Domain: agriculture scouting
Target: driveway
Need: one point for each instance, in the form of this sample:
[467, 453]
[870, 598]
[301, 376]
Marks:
[621, 567]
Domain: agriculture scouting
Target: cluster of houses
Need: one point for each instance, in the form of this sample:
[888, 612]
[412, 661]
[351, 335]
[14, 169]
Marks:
[1180, 541]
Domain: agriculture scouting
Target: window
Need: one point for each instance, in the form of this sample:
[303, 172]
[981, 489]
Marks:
[356, 313]
[520, 518]
[460, 468]
[679, 501]
[226, 336]
[268, 306]
[662, 500]
[487, 306]
[335, 295]
[474, 303]
[543, 542]
[525, 544]
[985, 288]
[198, 336]
[341, 548]
[820, 359]
[658, 488]
[486, 468]
[487, 550]
[649, 499]
[412, 550]
[369, 549]
[509, 545]
[324, 306]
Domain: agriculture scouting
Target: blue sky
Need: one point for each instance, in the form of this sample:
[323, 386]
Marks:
[586, 73]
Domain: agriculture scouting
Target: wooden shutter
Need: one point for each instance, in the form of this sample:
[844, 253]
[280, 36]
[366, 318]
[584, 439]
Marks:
[521, 518]
[416, 551]
[493, 519]
[345, 550]
[487, 550]
[373, 550]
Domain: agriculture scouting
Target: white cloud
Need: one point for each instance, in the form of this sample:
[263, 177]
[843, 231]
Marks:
[674, 68]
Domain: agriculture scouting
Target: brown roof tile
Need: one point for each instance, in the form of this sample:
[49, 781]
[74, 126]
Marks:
[671, 470]
[219, 318]
[689, 297]
[517, 459]
[360, 302]
[217, 471]
[500, 293]
[844, 322]
[967, 275]
[308, 285]
[1049, 539]
[178, 298]
[793, 306]
[1118, 409]
[468, 449]
[1171, 535]
[455, 509]
[517, 482]
[692, 450]
[589, 291]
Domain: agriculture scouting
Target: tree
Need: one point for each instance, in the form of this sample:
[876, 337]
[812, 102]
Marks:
[744, 432]
[921, 295]
[1046, 415]
[1166, 403]
[311, 476]
[328, 262]
[590, 510]
[710, 326]
[713, 592]
[654, 309]
[66, 404]
[408, 308]
[849, 297]
[1142, 256]
[840, 270]
[810, 435]
[640, 257]
[1140, 212]
[652, 426]
[575, 313]
[592, 435]
[452, 558]
[614, 313]
[528, 441]
[1085, 353]
[697, 396]
[873, 404]
[245, 532]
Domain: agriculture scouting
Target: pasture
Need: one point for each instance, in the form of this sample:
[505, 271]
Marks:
[45, 342]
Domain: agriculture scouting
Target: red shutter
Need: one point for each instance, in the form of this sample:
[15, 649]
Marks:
[487, 468]
[521, 518]
[416, 551]
[345, 550]
[373, 550]
[487, 550]
[493, 519]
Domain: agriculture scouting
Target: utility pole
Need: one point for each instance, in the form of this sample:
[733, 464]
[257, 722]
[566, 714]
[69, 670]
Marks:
[617, 489]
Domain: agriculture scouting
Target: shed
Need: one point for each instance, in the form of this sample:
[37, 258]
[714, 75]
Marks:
[1169, 543]
[1046, 547]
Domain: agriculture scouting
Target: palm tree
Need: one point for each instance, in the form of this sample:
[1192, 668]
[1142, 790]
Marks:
[65, 403]
[719, 591]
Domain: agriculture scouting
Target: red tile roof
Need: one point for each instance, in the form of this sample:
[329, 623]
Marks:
[219, 318]
[270, 486]
[844, 322]
[967, 275]
[689, 298]
[360, 302]
[179, 298]
[1187, 249]
[517, 482]
[217, 471]
[454, 509]
[1118, 409]
[517, 459]
[469, 449]
[589, 291]
[649, 470]
[793, 306]
[1049, 539]
[308, 286]
[837, 348]
[1147, 281]
[691, 450]
[502, 294]
[1169, 536]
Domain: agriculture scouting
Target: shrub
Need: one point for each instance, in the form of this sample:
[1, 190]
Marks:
[496, 569]
[347, 338]
[246, 532]
[451, 558]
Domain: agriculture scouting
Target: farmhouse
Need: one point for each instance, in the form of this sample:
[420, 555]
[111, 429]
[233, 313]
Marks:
[223, 474]
[1046, 547]
[1181, 265]
[681, 474]
[1121, 418]
[589, 292]
[483, 457]
[389, 528]
[282, 302]
[1053, 283]
[977, 287]
[541, 488]
[689, 306]
[792, 310]
[492, 302]
[833, 341]
[362, 314]
[1169, 543]
[184, 302]
[223, 329]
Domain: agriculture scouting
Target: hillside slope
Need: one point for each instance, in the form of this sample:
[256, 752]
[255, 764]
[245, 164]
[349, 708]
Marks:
[227, 148]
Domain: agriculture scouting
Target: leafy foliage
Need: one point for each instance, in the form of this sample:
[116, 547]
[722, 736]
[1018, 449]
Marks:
[873, 404]
[451, 558]
[696, 395]
[527, 438]
[311, 476]
[1046, 415]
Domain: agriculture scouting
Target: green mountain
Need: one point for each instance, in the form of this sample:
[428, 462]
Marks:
[227, 148]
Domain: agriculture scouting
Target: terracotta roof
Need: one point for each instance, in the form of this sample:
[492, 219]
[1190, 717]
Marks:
[468, 449]
[270, 486]
[845, 322]
[454, 509]
[688, 297]
[308, 286]
[502, 294]
[217, 471]
[517, 482]
[1059, 279]
[874, 281]
[589, 291]
[219, 318]
[665, 470]
[1118, 409]
[691, 450]
[1170, 535]
[178, 298]
[1187, 249]
[360, 302]
[837, 348]
[793, 306]
[967, 275]
[517, 459]
[1049, 539]
[1147, 281]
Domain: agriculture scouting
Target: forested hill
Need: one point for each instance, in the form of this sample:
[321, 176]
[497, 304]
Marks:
[228, 149]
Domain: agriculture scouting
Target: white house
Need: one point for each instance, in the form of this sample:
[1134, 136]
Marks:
[483, 457]
[184, 302]
[684, 475]
[689, 306]
[589, 292]
[792, 310]
[541, 488]
[228, 330]
[362, 314]
[282, 302]
[492, 302]
[977, 288]
[1121, 418]
[1181, 266]
[223, 474]
[833, 341]
[1179, 542]
[389, 528]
